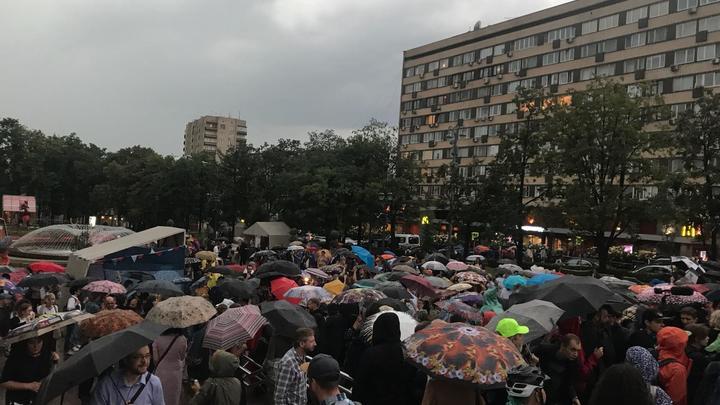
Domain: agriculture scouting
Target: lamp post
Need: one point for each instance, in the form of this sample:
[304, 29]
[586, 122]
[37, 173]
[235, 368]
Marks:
[387, 199]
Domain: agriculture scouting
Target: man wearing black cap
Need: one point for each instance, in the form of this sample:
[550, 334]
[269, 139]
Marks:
[651, 323]
[324, 376]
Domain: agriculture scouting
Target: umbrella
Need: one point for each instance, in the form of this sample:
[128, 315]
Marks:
[393, 289]
[17, 276]
[104, 286]
[226, 271]
[438, 282]
[574, 294]
[407, 325]
[9, 286]
[296, 243]
[438, 257]
[264, 254]
[366, 283]
[358, 295]
[5, 242]
[470, 298]
[307, 292]
[434, 266]
[459, 287]
[614, 281]
[393, 303]
[96, 357]
[334, 287]
[42, 280]
[474, 258]
[279, 286]
[162, 287]
[387, 256]
[293, 248]
[232, 327]
[512, 281]
[420, 285]
[511, 267]
[286, 318]
[46, 267]
[470, 278]
[391, 276]
[237, 290]
[109, 321]
[541, 278]
[539, 316]
[364, 255]
[405, 269]
[464, 353]
[181, 312]
[318, 273]
[465, 311]
[333, 269]
[668, 294]
[278, 268]
[454, 265]
[81, 282]
[206, 255]
[481, 249]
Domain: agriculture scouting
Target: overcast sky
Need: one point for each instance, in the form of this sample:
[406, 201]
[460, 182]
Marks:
[127, 72]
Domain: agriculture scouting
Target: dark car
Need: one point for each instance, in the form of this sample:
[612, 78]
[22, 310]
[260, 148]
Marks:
[654, 272]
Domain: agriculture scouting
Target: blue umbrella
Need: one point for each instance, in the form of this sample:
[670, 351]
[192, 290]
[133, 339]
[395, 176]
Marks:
[512, 281]
[364, 255]
[541, 278]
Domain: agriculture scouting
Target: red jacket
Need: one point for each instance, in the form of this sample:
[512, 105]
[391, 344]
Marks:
[673, 374]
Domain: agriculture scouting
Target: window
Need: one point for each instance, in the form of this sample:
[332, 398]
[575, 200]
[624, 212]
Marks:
[608, 22]
[444, 63]
[686, 4]
[588, 50]
[485, 150]
[632, 16]
[564, 77]
[468, 57]
[417, 86]
[635, 40]
[685, 29]
[561, 33]
[468, 76]
[657, 35]
[706, 52]
[710, 79]
[499, 49]
[530, 62]
[677, 109]
[514, 66]
[550, 58]
[524, 43]
[587, 74]
[658, 9]
[513, 86]
[589, 27]
[633, 65]
[705, 2]
[567, 54]
[682, 83]
[497, 90]
[409, 72]
[457, 60]
[528, 83]
[684, 56]
[431, 84]
[709, 24]
[442, 81]
[437, 154]
[484, 53]
[433, 66]
[655, 61]
[634, 90]
[609, 45]
[510, 108]
[420, 69]
[606, 70]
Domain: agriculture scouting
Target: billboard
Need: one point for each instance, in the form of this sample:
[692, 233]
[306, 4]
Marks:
[12, 203]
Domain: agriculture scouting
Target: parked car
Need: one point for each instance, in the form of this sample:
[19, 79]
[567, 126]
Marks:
[578, 266]
[655, 272]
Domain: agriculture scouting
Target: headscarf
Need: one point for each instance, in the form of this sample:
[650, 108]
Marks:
[641, 359]
[386, 329]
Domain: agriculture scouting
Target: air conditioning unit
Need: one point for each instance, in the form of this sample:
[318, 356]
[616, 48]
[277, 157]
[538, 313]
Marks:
[499, 76]
[692, 10]
[509, 54]
[483, 119]
[472, 62]
[570, 40]
[476, 140]
[517, 74]
[403, 112]
[456, 85]
[675, 68]
[414, 111]
[487, 80]
[405, 146]
[477, 119]
[490, 118]
[716, 61]
[431, 144]
[484, 138]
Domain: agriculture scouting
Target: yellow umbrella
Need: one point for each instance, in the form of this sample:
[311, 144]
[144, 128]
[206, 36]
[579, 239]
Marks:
[334, 287]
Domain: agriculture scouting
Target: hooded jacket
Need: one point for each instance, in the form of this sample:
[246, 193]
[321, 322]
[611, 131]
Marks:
[674, 363]
[642, 359]
[222, 388]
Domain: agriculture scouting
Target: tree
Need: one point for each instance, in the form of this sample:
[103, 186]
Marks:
[698, 143]
[596, 148]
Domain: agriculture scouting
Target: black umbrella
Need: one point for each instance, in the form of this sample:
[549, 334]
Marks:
[82, 282]
[162, 287]
[278, 268]
[225, 271]
[43, 280]
[97, 356]
[393, 289]
[575, 295]
[391, 276]
[237, 290]
[438, 257]
[265, 254]
[393, 303]
[286, 318]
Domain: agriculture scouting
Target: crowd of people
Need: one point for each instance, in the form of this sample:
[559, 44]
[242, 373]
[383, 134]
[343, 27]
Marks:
[353, 350]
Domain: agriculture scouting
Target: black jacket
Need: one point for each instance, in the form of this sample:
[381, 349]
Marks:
[563, 375]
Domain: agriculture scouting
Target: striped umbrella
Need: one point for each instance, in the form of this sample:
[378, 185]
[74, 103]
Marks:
[232, 327]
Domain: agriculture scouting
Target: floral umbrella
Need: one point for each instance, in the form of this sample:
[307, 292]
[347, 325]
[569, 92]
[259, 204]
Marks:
[460, 352]
[105, 286]
[306, 292]
[181, 312]
[470, 278]
[454, 265]
[109, 321]
[358, 295]
[457, 307]
[648, 296]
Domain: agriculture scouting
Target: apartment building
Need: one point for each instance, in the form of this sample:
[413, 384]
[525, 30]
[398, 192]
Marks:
[469, 80]
[213, 134]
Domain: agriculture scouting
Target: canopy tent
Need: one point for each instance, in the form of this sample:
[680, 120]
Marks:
[166, 237]
[269, 234]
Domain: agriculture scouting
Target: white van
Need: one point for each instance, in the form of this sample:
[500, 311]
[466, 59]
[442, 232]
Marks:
[407, 240]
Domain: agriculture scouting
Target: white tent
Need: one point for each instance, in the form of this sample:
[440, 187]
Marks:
[269, 234]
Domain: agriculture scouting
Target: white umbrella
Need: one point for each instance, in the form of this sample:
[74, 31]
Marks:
[407, 325]
[434, 266]
[293, 248]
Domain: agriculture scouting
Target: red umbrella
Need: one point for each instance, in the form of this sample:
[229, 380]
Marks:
[238, 268]
[46, 267]
[479, 249]
[419, 285]
[281, 285]
[17, 276]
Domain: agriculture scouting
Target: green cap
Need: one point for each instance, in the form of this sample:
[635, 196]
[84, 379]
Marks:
[509, 327]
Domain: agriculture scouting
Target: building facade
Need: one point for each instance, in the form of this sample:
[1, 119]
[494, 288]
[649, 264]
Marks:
[472, 78]
[213, 134]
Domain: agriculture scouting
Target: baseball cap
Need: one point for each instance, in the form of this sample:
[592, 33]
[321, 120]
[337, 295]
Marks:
[324, 368]
[509, 327]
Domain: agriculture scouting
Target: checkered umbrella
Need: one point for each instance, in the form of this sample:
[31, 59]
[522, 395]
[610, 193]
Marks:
[234, 326]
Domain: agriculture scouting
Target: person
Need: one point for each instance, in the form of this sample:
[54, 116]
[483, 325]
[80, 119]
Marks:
[109, 303]
[6, 304]
[324, 376]
[621, 384]
[642, 359]
[449, 392]
[714, 324]
[73, 302]
[48, 306]
[92, 305]
[561, 364]
[651, 323]
[133, 304]
[524, 386]
[291, 382]
[23, 314]
[697, 341]
[169, 352]
[382, 375]
[130, 383]
[29, 362]
[222, 388]
[511, 329]
[688, 316]
[674, 363]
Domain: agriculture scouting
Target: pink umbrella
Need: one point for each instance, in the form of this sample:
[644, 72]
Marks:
[105, 286]
[420, 285]
[456, 266]
[232, 327]
[648, 296]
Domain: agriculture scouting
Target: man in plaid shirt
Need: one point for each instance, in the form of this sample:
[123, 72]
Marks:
[291, 381]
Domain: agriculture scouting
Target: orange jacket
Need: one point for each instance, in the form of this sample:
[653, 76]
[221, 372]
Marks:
[673, 374]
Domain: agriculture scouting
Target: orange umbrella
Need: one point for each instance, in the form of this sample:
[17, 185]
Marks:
[109, 321]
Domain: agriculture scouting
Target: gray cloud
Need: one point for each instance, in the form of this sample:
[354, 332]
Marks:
[121, 73]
